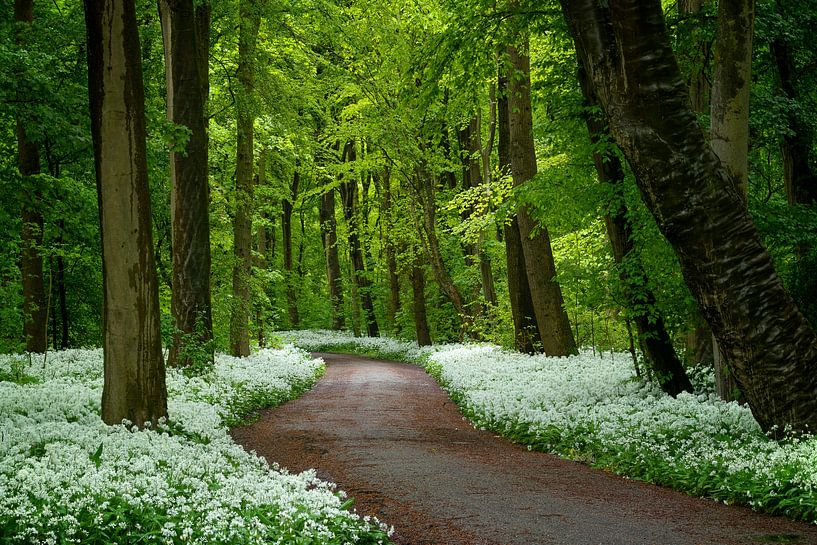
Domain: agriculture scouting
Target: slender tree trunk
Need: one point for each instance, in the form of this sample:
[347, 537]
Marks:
[799, 173]
[286, 226]
[249, 23]
[61, 292]
[329, 234]
[652, 334]
[763, 336]
[387, 220]
[186, 36]
[526, 332]
[699, 84]
[418, 290]
[546, 294]
[35, 327]
[349, 196]
[134, 383]
[261, 254]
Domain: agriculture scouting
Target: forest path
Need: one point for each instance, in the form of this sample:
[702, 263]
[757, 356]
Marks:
[389, 436]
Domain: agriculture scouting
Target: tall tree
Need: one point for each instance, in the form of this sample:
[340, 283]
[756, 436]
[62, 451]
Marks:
[526, 332]
[35, 307]
[387, 224]
[418, 292]
[730, 120]
[186, 36]
[248, 26]
[546, 294]
[653, 338]
[699, 209]
[329, 234]
[289, 273]
[349, 196]
[134, 386]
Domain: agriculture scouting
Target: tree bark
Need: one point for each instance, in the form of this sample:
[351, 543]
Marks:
[730, 122]
[349, 196]
[699, 209]
[418, 291]
[186, 37]
[134, 384]
[387, 220]
[286, 226]
[35, 328]
[249, 23]
[526, 332]
[329, 234]
[652, 334]
[799, 174]
[546, 294]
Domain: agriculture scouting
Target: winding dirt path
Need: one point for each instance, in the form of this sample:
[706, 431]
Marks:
[393, 440]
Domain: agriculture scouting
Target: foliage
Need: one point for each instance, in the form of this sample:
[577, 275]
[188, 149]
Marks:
[67, 477]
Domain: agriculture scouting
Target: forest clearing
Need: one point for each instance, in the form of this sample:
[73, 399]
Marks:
[587, 228]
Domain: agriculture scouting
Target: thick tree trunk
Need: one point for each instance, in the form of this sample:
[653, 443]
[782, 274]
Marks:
[242, 222]
[652, 334]
[134, 384]
[329, 233]
[349, 196]
[699, 208]
[546, 294]
[526, 333]
[730, 122]
[418, 291]
[286, 227]
[186, 36]
[35, 328]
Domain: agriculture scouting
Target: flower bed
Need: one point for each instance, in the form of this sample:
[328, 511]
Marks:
[65, 477]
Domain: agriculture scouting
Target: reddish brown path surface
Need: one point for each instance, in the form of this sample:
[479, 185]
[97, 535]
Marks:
[390, 437]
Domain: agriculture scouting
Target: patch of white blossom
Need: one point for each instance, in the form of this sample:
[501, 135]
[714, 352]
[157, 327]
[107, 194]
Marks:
[593, 409]
[66, 477]
[324, 340]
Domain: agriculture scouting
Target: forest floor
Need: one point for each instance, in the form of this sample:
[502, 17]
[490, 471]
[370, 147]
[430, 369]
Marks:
[390, 437]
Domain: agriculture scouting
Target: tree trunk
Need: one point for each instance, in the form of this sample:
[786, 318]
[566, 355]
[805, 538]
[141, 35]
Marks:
[699, 86]
[526, 333]
[730, 122]
[186, 36]
[798, 172]
[546, 294]
[242, 222]
[652, 334]
[349, 196]
[286, 226]
[329, 234]
[763, 336]
[387, 220]
[418, 290]
[61, 292]
[35, 328]
[134, 384]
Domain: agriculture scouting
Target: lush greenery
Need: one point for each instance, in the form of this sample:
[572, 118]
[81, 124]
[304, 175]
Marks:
[65, 477]
[593, 409]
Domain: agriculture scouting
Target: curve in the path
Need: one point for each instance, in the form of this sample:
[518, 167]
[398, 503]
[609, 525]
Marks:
[391, 438]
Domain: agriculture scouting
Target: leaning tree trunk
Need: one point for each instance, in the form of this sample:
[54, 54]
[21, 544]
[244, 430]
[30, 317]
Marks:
[286, 227]
[134, 383]
[186, 35]
[242, 222]
[699, 209]
[730, 122]
[329, 233]
[652, 334]
[546, 294]
[526, 333]
[35, 311]
[418, 300]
